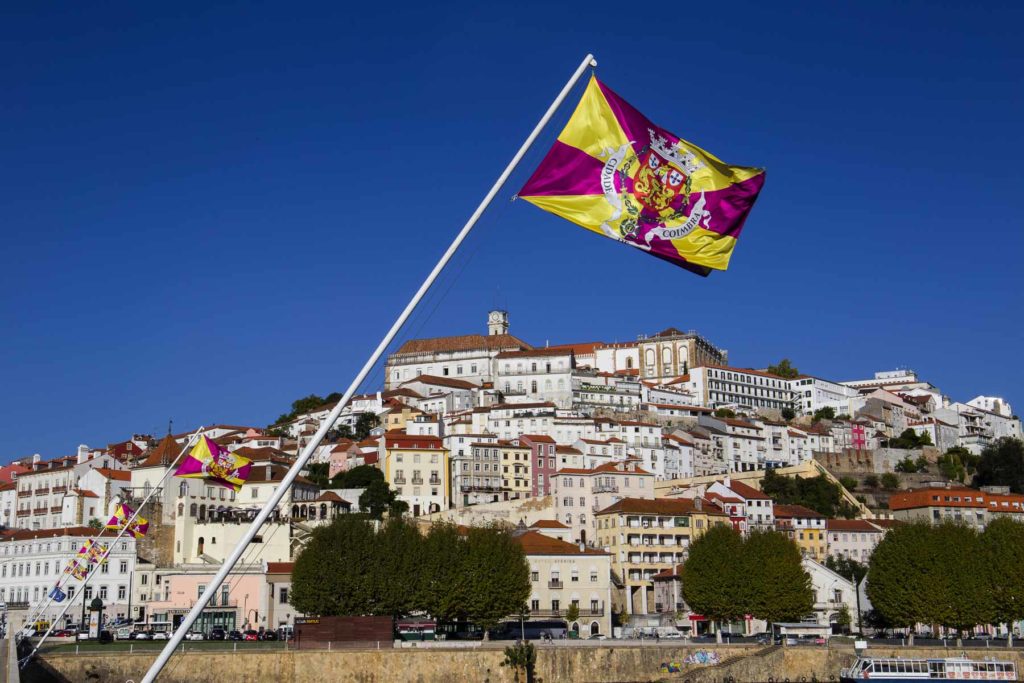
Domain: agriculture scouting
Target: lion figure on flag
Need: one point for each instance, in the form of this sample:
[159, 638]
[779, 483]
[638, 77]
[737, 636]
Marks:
[664, 174]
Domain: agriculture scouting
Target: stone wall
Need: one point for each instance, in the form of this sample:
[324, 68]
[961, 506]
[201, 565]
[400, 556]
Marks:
[483, 665]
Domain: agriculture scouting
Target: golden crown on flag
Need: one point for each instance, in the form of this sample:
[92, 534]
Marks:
[686, 161]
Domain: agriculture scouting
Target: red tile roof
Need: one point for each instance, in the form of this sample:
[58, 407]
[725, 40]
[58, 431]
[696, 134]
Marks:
[117, 475]
[442, 381]
[859, 525]
[662, 506]
[548, 524]
[466, 342]
[535, 352]
[536, 543]
[798, 511]
[746, 491]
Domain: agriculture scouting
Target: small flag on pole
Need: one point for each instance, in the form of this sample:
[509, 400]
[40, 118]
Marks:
[77, 569]
[91, 552]
[122, 514]
[57, 594]
[614, 172]
[210, 461]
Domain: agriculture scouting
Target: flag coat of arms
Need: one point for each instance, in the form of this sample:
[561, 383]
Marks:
[122, 514]
[217, 465]
[77, 569]
[614, 172]
[91, 552]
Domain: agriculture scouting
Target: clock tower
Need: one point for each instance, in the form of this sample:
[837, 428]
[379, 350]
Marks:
[497, 322]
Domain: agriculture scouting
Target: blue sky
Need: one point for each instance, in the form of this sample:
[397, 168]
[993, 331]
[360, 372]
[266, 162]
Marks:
[210, 211]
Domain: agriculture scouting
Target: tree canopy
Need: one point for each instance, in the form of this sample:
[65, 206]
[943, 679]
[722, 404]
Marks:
[817, 493]
[726, 577]
[826, 413]
[911, 440]
[784, 368]
[350, 568]
[1002, 464]
[948, 574]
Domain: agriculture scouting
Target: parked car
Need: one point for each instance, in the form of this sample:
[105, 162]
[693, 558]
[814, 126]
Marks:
[671, 635]
[217, 633]
[141, 635]
[598, 636]
[235, 635]
[250, 635]
[194, 635]
[161, 635]
[269, 635]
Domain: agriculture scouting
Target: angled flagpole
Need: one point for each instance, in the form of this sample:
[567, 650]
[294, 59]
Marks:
[311, 447]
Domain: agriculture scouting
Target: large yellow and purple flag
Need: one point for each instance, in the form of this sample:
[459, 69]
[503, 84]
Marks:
[122, 519]
[614, 172]
[92, 552]
[216, 464]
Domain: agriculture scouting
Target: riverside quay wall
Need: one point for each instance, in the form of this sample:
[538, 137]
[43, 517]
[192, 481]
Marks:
[611, 662]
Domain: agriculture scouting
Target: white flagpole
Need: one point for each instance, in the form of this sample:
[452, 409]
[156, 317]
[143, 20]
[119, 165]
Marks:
[311, 447]
[110, 546]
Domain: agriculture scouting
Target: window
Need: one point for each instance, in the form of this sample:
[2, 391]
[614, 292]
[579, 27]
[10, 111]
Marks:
[103, 592]
[534, 605]
[225, 594]
[123, 568]
[122, 592]
[283, 593]
[534, 576]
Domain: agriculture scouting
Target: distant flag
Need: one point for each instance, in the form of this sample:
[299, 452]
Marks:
[122, 514]
[91, 552]
[57, 594]
[616, 173]
[210, 461]
[77, 569]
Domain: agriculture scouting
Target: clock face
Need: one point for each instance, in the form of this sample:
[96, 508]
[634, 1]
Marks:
[495, 317]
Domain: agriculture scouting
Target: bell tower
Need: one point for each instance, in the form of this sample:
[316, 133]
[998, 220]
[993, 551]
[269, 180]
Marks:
[497, 322]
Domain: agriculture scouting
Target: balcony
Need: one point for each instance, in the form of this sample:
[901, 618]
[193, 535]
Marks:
[555, 583]
[24, 513]
[479, 488]
[606, 488]
[399, 481]
[435, 481]
[417, 481]
[584, 612]
[60, 489]
[55, 509]
[25, 494]
[43, 491]
[39, 511]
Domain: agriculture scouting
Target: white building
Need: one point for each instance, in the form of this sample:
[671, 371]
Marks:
[744, 388]
[992, 404]
[468, 357]
[671, 353]
[535, 375]
[32, 561]
[814, 393]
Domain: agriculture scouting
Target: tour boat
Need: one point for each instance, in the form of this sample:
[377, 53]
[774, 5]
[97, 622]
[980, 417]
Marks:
[896, 669]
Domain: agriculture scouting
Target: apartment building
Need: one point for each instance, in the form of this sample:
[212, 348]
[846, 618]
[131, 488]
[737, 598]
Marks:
[580, 493]
[805, 526]
[417, 469]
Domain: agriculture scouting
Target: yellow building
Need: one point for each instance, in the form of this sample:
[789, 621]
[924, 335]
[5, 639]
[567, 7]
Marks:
[647, 536]
[806, 527]
[398, 415]
[416, 468]
[515, 469]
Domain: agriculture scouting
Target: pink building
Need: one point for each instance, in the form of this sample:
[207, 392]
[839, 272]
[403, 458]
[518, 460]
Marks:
[543, 464]
[241, 602]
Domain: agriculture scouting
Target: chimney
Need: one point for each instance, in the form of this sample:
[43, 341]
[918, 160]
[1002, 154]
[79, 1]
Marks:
[727, 482]
[83, 454]
[698, 504]
[268, 471]
[583, 547]
[36, 458]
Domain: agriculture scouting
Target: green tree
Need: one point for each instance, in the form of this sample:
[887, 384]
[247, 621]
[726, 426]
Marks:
[778, 588]
[399, 556]
[922, 463]
[784, 368]
[900, 576]
[960, 593]
[907, 466]
[890, 482]
[843, 617]
[444, 563]
[847, 568]
[826, 413]
[817, 493]
[358, 477]
[378, 498]
[317, 473]
[522, 659]
[572, 614]
[910, 440]
[365, 423]
[871, 481]
[95, 524]
[1002, 464]
[713, 581]
[335, 574]
[724, 412]
[849, 483]
[497, 576]
[1003, 546]
[788, 414]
